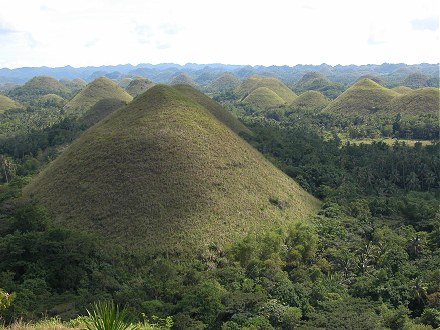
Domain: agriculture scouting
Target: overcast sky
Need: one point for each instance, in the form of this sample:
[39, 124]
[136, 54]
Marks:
[272, 32]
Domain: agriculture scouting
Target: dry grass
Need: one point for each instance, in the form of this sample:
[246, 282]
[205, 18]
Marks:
[418, 101]
[263, 98]
[253, 82]
[138, 86]
[6, 103]
[99, 89]
[163, 174]
[310, 100]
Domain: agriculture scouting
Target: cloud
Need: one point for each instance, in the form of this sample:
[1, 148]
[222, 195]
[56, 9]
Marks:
[6, 28]
[430, 24]
[168, 28]
[144, 33]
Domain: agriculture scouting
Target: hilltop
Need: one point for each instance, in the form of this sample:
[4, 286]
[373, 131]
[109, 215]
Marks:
[363, 97]
[39, 86]
[138, 86]
[402, 89]
[183, 78]
[164, 175]
[419, 101]
[310, 100]
[99, 89]
[6, 103]
[227, 82]
[250, 84]
[263, 98]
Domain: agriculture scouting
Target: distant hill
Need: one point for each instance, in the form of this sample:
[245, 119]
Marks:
[99, 89]
[163, 175]
[363, 97]
[310, 100]
[6, 103]
[74, 85]
[51, 100]
[39, 86]
[138, 86]
[100, 110]
[418, 101]
[416, 80]
[250, 84]
[317, 82]
[402, 89]
[263, 98]
[183, 78]
[227, 82]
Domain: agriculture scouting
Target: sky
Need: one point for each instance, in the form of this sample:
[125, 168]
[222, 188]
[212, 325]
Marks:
[277, 32]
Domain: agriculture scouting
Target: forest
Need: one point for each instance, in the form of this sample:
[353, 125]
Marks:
[369, 259]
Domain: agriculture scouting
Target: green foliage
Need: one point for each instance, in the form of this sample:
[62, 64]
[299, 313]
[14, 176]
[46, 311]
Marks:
[6, 299]
[109, 316]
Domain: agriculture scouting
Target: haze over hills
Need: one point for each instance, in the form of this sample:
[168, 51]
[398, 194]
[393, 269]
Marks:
[164, 174]
[99, 89]
[138, 86]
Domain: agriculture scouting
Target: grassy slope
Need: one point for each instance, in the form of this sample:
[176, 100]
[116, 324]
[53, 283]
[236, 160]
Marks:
[183, 78]
[100, 110]
[214, 108]
[6, 103]
[253, 82]
[163, 174]
[310, 100]
[312, 81]
[138, 86]
[39, 86]
[263, 98]
[99, 89]
[422, 100]
[364, 97]
[402, 89]
[226, 82]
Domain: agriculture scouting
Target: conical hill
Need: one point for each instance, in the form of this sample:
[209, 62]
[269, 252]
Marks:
[418, 101]
[39, 86]
[99, 89]
[164, 175]
[255, 81]
[6, 103]
[363, 97]
[138, 86]
[263, 98]
[310, 101]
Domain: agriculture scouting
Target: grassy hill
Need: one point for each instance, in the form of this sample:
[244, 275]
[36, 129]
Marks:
[100, 110]
[250, 84]
[310, 100]
[363, 97]
[138, 86]
[418, 101]
[6, 103]
[225, 83]
[315, 81]
[39, 86]
[263, 98]
[99, 89]
[51, 100]
[164, 175]
[416, 80]
[183, 78]
[214, 108]
[402, 89]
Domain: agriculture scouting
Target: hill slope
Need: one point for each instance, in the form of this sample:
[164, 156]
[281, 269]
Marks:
[419, 101]
[6, 103]
[253, 82]
[310, 100]
[39, 86]
[363, 97]
[138, 86]
[263, 98]
[164, 175]
[99, 89]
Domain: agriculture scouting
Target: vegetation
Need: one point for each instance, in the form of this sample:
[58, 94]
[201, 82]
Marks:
[138, 86]
[6, 103]
[183, 79]
[314, 81]
[263, 98]
[253, 82]
[99, 89]
[419, 101]
[39, 86]
[310, 100]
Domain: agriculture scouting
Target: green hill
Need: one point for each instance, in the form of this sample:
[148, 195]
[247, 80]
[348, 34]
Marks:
[99, 89]
[6, 103]
[418, 101]
[183, 78]
[225, 83]
[100, 110]
[263, 98]
[163, 175]
[416, 80]
[51, 100]
[402, 89]
[250, 84]
[363, 97]
[74, 85]
[39, 86]
[314, 81]
[310, 100]
[138, 86]
[214, 108]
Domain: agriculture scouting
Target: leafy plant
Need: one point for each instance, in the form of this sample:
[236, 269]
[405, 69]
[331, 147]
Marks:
[108, 316]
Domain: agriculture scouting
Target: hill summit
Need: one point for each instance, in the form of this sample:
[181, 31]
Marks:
[99, 89]
[166, 174]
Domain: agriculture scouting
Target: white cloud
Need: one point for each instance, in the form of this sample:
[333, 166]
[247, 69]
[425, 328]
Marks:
[97, 32]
